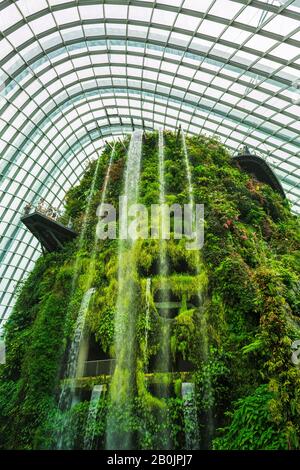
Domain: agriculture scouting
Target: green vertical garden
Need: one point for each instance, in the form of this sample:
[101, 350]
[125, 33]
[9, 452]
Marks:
[232, 313]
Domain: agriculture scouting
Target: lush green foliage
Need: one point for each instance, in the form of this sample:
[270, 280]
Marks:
[238, 342]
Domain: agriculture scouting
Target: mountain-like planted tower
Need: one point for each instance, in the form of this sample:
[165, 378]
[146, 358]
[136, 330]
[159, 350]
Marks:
[144, 344]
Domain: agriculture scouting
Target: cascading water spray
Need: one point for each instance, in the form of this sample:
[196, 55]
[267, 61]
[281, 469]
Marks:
[208, 392]
[122, 384]
[190, 415]
[82, 358]
[162, 196]
[163, 363]
[83, 231]
[107, 176]
[207, 331]
[188, 170]
[67, 396]
[78, 350]
[92, 417]
[102, 202]
[147, 317]
[91, 269]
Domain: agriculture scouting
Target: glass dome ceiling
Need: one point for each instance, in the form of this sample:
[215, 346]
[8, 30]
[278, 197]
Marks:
[76, 73]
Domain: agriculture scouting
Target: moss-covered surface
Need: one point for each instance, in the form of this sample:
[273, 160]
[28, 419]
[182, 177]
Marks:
[246, 385]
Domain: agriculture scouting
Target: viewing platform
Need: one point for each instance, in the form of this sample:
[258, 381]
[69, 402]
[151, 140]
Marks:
[88, 382]
[51, 234]
[258, 167]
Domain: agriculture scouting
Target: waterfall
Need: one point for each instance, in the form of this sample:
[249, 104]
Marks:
[161, 167]
[72, 365]
[2, 351]
[82, 355]
[92, 417]
[147, 318]
[121, 390]
[188, 170]
[79, 347]
[86, 217]
[208, 392]
[163, 363]
[84, 229]
[103, 198]
[67, 396]
[163, 359]
[190, 416]
[106, 179]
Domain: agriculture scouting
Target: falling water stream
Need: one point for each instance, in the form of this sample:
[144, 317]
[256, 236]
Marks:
[68, 393]
[163, 360]
[188, 170]
[83, 231]
[79, 346]
[208, 392]
[103, 199]
[92, 417]
[147, 318]
[122, 384]
[190, 415]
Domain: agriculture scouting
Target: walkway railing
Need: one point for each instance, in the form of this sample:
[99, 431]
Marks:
[100, 367]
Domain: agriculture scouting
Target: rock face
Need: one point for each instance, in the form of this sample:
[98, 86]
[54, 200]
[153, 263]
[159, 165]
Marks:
[158, 317]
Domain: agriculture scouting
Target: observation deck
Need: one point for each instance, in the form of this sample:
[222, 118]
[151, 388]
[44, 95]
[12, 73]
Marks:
[258, 167]
[51, 234]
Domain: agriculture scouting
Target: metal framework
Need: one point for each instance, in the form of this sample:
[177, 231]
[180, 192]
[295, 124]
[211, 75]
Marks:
[76, 73]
